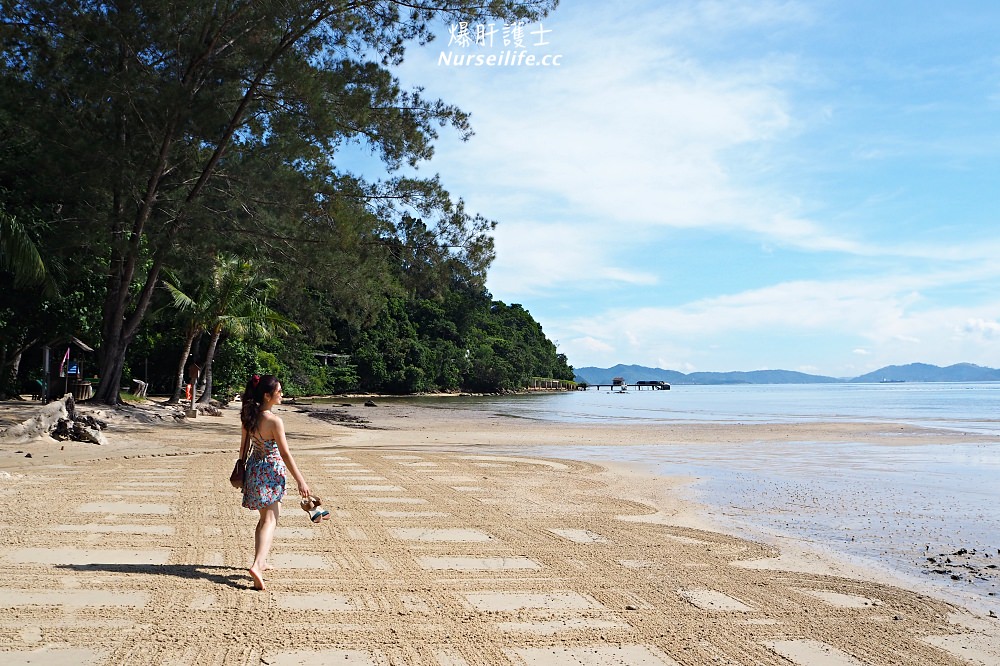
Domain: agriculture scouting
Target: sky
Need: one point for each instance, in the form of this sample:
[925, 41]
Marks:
[737, 185]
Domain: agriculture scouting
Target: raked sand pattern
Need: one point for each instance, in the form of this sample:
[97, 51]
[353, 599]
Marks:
[428, 558]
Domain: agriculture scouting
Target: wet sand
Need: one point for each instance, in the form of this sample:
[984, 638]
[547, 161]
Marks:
[445, 547]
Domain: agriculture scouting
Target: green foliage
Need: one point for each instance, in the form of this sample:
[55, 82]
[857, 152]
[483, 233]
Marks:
[341, 379]
[19, 255]
[138, 139]
[415, 345]
[236, 361]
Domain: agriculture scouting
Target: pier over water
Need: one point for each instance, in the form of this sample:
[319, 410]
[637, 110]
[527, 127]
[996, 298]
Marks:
[653, 385]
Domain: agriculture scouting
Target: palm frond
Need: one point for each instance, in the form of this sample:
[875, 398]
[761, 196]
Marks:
[19, 254]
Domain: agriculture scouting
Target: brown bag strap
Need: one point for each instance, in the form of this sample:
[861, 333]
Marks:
[244, 449]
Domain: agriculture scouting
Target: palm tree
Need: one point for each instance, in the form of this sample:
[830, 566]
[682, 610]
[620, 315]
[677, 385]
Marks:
[235, 300]
[195, 319]
[19, 255]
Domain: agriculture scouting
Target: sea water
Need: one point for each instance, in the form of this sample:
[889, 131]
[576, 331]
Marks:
[895, 504]
[967, 407]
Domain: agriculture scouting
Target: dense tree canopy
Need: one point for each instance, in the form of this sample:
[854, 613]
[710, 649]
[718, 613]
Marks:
[142, 137]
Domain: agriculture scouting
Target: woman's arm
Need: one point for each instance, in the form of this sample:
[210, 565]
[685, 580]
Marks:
[286, 455]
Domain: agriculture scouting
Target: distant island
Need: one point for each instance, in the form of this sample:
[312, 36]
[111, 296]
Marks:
[913, 372]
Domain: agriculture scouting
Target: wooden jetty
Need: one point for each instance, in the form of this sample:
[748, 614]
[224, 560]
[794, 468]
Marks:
[619, 383]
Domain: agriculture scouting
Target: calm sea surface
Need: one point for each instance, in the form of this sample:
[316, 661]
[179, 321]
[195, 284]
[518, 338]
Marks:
[893, 505]
[973, 407]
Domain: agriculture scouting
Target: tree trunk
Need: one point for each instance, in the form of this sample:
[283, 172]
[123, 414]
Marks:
[119, 327]
[206, 396]
[15, 366]
[181, 367]
[112, 364]
[5, 390]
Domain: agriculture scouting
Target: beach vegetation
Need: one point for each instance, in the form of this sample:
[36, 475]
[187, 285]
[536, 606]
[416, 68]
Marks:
[235, 299]
[148, 139]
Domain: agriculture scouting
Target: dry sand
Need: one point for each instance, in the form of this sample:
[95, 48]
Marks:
[439, 551]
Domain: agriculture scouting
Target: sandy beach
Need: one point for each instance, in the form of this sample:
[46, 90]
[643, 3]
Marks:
[444, 547]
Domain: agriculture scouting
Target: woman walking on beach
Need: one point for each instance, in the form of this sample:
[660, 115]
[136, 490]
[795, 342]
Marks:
[267, 459]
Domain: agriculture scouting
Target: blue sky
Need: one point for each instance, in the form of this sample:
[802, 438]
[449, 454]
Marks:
[740, 185]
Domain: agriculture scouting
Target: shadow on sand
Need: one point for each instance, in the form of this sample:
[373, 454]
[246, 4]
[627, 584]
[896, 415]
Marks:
[220, 575]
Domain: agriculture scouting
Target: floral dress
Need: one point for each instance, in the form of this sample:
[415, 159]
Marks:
[264, 483]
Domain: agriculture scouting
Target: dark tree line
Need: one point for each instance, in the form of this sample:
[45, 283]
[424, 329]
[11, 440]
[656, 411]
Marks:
[142, 140]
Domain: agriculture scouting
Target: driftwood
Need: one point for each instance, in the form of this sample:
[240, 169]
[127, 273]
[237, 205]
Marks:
[59, 420]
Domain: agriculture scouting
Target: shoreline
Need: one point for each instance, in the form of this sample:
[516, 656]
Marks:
[652, 448]
[466, 465]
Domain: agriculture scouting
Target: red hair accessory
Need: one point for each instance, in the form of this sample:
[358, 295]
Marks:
[256, 380]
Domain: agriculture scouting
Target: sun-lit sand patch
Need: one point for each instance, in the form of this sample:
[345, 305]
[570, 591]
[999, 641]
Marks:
[578, 536]
[527, 461]
[510, 601]
[394, 500]
[124, 507]
[713, 600]
[76, 556]
[812, 653]
[446, 535]
[97, 528]
[975, 648]
[324, 658]
[151, 484]
[301, 561]
[54, 656]
[459, 563]
[412, 514]
[325, 602]
[549, 627]
[591, 655]
[294, 532]
[72, 598]
[841, 600]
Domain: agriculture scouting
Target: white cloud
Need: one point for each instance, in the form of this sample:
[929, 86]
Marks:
[592, 344]
[533, 257]
[637, 134]
[987, 330]
[629, 276]
[632, 132]
[662, 125]
[889, 314]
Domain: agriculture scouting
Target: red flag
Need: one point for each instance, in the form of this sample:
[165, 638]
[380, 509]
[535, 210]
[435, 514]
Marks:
[62, 366]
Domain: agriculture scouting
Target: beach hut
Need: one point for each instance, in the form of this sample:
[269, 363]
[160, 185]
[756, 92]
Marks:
[63, 373]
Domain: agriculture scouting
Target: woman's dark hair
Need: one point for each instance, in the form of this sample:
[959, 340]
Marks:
[253, 399]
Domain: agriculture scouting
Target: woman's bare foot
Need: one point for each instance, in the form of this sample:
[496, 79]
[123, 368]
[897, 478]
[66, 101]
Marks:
[258, 580]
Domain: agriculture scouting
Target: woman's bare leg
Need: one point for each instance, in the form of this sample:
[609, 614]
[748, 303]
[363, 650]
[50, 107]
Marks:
[263, 537]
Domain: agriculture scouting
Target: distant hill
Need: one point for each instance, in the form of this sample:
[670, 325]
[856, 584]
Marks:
[759, 377]
[914, 372]
[635, 373]
[921, 372]
[631, 373]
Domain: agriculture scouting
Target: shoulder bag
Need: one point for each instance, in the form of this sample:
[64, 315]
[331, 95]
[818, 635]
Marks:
[240, 468]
